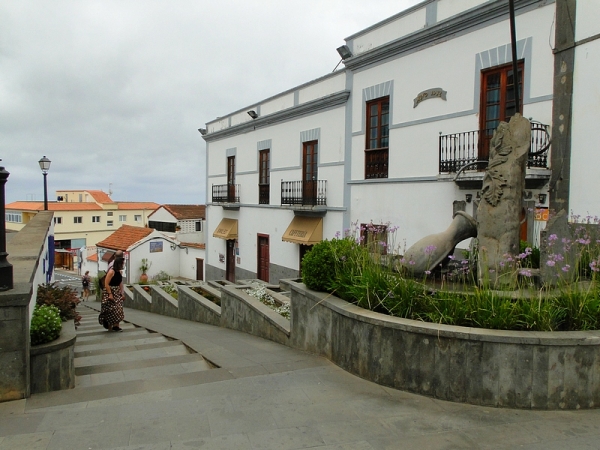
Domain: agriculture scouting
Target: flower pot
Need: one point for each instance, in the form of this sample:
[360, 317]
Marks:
[143, 278]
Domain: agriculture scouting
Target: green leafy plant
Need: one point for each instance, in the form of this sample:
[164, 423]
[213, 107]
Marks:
[46, 324]
[171, 290]
[377, 282]
[145, 265]
[64, 298]
[97, 283]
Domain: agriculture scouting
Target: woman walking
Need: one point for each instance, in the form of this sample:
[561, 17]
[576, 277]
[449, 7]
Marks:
[85, 283]
[111, 311]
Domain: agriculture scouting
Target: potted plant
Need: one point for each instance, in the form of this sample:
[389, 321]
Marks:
[144, 268]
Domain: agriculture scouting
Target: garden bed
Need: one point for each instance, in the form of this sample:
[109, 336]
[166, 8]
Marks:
[517, 369]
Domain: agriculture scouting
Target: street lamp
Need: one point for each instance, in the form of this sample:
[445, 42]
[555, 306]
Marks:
[45, 166]
[6, 268]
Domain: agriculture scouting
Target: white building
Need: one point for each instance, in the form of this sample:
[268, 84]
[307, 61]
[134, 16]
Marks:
[400, 136]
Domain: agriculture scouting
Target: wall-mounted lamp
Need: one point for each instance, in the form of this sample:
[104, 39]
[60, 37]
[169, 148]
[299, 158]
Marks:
[202, 131]
[173, 246]
[542, 198]
[252, 114]
[344, 52]
[469, 197]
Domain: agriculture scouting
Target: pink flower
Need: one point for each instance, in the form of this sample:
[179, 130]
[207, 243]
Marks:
[550, 263]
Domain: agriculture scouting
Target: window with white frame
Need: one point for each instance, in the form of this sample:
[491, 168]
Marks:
[109, 223]
[95, 219]
[14, 217]
[199, 225]
[123, 218]
[137, 218]
[57, 220]
[109, 213]
[78, 219]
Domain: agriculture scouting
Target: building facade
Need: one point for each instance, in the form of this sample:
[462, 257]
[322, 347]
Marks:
[400, 137]
[81, 218]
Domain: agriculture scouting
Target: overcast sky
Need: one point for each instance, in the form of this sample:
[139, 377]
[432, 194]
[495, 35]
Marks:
[113, 92]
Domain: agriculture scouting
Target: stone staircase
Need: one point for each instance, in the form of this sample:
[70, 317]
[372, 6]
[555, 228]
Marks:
[108, 361]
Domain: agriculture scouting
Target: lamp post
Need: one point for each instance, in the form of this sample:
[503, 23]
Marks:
[6, 269]
[45, 166]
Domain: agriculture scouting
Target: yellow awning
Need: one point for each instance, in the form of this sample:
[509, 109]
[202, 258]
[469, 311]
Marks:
[227, 229]
[304, 230]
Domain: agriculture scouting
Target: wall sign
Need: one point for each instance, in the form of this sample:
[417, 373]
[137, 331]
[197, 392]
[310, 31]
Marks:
[156, 247]
[430, 93]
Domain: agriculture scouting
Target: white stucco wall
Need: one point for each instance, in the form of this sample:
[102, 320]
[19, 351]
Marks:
[188, 263]
[585, 142]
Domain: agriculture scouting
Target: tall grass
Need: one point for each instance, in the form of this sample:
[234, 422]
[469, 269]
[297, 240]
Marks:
[379, 283]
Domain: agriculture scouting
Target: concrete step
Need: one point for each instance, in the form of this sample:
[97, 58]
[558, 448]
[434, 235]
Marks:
[111, 364]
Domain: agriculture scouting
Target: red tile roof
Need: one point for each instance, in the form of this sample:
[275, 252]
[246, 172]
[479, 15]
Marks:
[93, 257]
[186, 212]
[100, 196]
[124, 237]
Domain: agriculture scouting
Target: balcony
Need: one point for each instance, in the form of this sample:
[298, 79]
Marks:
[264, 194]
[226, 193]
[460, 151]
[304, 193]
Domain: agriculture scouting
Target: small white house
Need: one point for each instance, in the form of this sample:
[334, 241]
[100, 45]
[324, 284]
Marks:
[164, 254]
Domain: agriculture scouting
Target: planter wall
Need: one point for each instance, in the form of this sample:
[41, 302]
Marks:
[163, 303]
[138, 299]
[52, 364]
[193, 306]
[240, 311]
[541, 370]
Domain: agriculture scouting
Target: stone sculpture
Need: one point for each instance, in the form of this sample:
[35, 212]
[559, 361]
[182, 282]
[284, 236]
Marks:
[498, 215]
[432, 250]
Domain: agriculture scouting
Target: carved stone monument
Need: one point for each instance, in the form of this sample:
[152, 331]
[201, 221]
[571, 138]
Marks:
[498, 215]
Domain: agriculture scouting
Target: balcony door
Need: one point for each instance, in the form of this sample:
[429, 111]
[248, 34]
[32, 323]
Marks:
[231, 179]
[497, 102]
[309, 172]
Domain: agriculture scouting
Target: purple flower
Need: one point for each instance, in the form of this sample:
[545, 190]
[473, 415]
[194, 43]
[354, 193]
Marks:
[525, 272]
[552, 237]
[550, 263]
[566, 268]
[451, 257]
[428, 272]
[430, 249]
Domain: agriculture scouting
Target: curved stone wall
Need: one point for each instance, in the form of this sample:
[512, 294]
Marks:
[539, 370]
[52, 364]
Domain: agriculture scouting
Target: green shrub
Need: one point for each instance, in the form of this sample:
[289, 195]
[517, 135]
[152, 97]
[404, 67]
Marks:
[323, 263]
[45, 324]
[64, 298]
[99, 288]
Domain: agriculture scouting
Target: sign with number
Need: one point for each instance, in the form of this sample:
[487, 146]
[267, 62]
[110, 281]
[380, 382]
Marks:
[542, 214]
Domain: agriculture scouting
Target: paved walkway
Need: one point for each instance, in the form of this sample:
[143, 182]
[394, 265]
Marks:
[165, 383]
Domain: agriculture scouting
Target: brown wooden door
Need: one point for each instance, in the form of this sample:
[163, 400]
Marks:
[309, 172]
[304, 249]
[231, 179]
[230, 261]
[263, 258]
[199, 269]
[497, 102]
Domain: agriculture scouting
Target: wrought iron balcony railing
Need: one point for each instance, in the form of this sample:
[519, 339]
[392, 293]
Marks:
[225, 193]
[264, 194]
[460, 149]
[305, 193]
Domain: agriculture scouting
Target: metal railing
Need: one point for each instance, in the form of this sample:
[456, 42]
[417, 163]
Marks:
[225, 193]
[460, 149]
[264, 194]
[306, 193]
